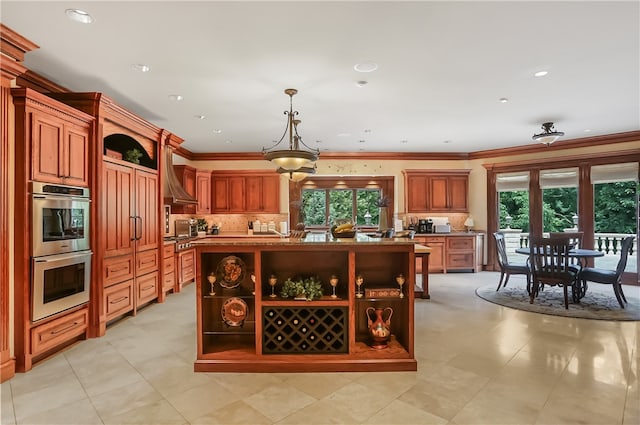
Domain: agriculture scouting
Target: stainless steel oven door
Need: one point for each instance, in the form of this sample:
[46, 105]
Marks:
[59, 282]
[60, 224]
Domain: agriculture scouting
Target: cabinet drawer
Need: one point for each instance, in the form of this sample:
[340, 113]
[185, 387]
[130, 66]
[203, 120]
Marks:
[458, 243]
[434, 239]
[147, 288]
[169, 265]
[57, 331]
[118, 299]
[117, 269]
[168, 251]
[187, 260]
[460, 261]
[168, 281]
[146, 262]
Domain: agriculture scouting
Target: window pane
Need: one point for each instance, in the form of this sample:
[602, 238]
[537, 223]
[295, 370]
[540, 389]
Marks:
[340, 204]
[315, 207]
[514, 221]
[615, 218]
[367, 203]
[559, 206]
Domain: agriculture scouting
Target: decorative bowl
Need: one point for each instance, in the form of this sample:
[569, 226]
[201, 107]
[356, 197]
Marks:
[344, 235]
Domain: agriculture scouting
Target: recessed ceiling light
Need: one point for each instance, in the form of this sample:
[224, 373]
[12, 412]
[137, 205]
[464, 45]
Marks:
[367, 130]
[344, 134]
[540, 73]
[587, 130]
[217, 131]
[361, 141]
[79, 16]
[175, 97]
[361, 83]
[446, 141]
[503, 100]
[404, 141]
[199, 117]
[365, 67]
[141, 67]
[228, 142]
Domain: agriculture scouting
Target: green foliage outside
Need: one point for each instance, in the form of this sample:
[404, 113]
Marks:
[341, 206]
[614, 207]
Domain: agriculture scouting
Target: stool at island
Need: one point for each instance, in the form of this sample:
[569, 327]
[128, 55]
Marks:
[316, 322]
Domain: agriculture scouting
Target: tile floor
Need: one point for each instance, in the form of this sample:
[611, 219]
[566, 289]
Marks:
[478, 363]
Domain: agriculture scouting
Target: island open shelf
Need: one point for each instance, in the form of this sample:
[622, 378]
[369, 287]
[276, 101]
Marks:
[245, 323]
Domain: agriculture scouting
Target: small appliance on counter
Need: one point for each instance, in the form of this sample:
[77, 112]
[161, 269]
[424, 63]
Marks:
[425, 225]
[441, 225]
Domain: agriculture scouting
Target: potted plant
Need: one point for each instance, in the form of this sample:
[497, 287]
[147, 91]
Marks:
[302, 289]
[202, 226]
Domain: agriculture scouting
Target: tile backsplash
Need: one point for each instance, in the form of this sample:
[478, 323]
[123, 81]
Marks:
[230, 223]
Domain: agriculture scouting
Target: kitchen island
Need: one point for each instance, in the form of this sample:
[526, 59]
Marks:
[247, 323]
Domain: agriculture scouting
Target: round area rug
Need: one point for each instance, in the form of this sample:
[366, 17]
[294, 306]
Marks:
[599, 302]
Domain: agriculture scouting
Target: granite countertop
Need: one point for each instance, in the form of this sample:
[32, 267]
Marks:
[310, 239]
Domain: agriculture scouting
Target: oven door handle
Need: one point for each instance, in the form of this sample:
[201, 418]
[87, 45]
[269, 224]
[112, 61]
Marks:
[62, 258]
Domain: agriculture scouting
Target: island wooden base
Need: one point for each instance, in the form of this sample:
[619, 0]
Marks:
[267, 333]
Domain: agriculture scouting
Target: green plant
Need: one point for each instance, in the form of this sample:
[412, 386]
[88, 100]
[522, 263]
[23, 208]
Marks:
[310, 288]
[133, 156]
[202, 225]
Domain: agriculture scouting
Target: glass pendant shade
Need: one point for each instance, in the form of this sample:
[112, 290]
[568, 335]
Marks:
[290, 160]
[549, 135]
[298, 174]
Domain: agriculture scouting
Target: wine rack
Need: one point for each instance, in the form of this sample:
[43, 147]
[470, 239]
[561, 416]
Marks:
[305, 330]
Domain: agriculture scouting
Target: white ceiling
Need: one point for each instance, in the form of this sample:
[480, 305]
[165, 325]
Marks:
[443, 66]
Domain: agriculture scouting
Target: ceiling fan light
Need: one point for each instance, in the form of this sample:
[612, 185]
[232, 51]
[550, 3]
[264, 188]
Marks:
[549, 135]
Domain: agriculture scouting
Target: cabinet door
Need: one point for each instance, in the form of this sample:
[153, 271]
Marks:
[76, 156]
[271, 194]
[436, 257]
[117, 209]
[186, 266]
[47, 135]
[416, 194]
[220, 194]
[236, 194]
[458, 193]
[147, 223]
[203, 192]
[253, 200]
[438, 193]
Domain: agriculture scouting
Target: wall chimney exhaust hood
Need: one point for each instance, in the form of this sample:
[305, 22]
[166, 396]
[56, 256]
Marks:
[174, 193]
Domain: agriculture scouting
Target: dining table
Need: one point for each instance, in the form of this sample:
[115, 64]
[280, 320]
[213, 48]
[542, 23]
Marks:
[582, 255]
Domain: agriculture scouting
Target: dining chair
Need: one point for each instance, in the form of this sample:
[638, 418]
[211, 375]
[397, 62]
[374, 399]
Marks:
[575, 239]
[550, 261]
[610, 277]
[507, 268]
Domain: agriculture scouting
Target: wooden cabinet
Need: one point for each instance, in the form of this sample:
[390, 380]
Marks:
[57, 136]
[203, 191]
[187, 177]
[129, 200]
[436, 256]
[51, 146]
[454, 252]
[436, 191]
[186, 261]
[460, 253]
[242, 328]
[245, 191]
[169, 271]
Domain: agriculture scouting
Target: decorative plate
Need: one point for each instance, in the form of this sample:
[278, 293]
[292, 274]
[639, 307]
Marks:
[231, 271]
[234, 311]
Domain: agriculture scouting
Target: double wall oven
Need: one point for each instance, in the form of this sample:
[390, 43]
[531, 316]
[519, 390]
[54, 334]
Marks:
[60, 250]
